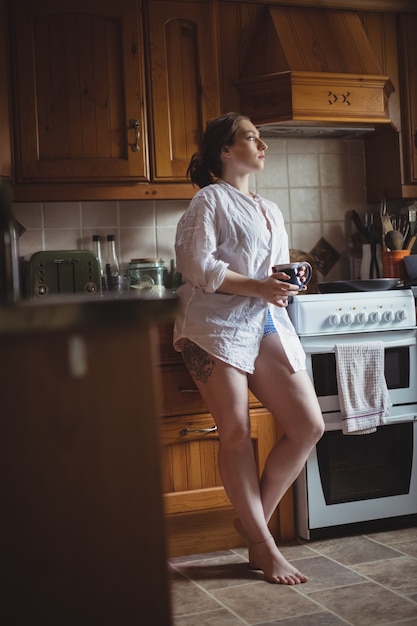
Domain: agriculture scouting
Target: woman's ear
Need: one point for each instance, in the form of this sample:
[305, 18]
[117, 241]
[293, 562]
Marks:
[225, 152]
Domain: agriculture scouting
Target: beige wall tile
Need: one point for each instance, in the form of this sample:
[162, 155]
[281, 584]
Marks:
[305, 205]
[62, 215]
[100, 214]
[334, 170]
[69, 239]
[137, 214]
[30, 214]
[137, 243]
[169, 212]
[165, 243]
[31, 241]
[303, 170]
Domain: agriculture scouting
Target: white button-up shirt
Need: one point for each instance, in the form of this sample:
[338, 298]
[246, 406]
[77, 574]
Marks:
[224, 229]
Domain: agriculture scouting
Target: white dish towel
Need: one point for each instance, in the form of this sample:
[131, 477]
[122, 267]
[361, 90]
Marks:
[363, 393]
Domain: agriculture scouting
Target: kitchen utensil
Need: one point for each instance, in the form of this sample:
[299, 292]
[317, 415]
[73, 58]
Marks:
[363, 233]
[374, 267]
[345, 286]
[394, 240]
[63, 272]
[411, 242]
[386, 224]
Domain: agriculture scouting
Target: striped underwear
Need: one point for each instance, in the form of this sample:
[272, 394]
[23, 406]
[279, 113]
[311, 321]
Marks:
[269, 325]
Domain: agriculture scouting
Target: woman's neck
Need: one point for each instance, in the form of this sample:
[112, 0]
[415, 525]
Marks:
[239, 182]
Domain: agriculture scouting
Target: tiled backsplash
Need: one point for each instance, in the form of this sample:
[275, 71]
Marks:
[316, 183]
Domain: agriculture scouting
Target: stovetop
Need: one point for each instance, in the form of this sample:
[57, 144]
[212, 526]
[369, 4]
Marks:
[355, 312]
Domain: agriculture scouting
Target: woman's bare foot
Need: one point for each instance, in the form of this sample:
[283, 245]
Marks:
[266, 556]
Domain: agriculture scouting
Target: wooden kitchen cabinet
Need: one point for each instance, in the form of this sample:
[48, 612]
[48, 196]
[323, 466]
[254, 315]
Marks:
[199, 515]
[408, 74]
[391, 153]
[79, 91]
[5, 139]
[183, 80]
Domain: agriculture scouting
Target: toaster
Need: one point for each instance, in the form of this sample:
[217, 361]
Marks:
[62, 272]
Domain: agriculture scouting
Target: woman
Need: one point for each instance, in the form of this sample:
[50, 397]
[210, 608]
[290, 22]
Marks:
[234, 332]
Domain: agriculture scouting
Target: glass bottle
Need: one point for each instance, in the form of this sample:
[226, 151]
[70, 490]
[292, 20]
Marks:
[98, 253]
[113, 275]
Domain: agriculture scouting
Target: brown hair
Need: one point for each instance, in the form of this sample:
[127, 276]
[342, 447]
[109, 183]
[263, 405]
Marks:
[206, 166]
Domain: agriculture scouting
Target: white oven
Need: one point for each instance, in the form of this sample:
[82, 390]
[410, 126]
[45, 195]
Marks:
[359, 479]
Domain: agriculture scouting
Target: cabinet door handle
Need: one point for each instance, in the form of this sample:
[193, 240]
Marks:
[188, 391]
[189, 431]
[134, 123]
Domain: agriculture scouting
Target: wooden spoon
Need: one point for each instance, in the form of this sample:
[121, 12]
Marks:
[394, 240]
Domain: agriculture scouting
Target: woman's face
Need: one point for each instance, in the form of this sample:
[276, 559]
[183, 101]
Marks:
[247, 154]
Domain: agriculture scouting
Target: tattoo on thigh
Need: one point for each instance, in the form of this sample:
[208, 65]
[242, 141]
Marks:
[199, 363]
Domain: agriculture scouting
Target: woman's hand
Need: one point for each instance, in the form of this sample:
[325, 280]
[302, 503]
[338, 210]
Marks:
[276, 290]
[273, 289]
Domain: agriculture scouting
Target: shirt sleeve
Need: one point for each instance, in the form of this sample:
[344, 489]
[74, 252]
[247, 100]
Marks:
[196, 246]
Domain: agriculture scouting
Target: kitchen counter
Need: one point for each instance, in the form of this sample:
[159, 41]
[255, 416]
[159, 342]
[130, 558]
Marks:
[58, 313]
[82, 526]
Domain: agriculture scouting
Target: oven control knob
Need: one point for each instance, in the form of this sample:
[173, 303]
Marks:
[334, 320]
[375, 316]
[401, 315]
[347, 319]
[387, 316]
[362, 317]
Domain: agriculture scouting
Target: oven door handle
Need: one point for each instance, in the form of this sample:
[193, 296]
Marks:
[395, 343]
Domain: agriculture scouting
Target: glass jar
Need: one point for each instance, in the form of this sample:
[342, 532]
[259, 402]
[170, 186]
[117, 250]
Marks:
[147, 275]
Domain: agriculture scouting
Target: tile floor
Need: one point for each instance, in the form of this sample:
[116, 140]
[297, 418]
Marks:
[364, 580]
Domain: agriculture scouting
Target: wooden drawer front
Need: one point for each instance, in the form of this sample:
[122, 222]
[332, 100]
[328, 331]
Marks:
[180, 395]
[190, 451]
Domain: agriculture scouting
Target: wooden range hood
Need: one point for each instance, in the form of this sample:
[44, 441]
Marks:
[313, 67]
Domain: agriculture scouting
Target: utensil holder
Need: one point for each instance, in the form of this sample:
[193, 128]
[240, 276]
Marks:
[393, 263]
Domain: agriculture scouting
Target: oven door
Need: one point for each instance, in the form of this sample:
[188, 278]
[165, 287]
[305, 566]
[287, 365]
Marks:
[400, 371]
[355, 479]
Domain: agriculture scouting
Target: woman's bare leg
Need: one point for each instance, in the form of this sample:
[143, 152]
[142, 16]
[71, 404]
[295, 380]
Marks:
[291, 398]
[225, 391]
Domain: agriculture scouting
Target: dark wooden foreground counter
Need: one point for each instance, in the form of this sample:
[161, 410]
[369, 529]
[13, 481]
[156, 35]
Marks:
[82, 528]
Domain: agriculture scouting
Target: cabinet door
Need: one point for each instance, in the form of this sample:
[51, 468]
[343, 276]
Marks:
[408, 68]
[79, 90]
[5, 145]
[184, 82]
[199, 513]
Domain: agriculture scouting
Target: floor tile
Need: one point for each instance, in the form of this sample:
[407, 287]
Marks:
[263, 602]
[395, 536]
[221, 617]
[350, 550]
[398, 574]
[187, 598]
[315, 619]
[324, 573]
[408, 547]
[366, 604]
[225, 571]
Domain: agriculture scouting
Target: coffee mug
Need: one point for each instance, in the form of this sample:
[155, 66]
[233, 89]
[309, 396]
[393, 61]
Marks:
[295, 273]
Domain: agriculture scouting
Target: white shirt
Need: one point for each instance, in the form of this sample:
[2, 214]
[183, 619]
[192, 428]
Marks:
[224, 229]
